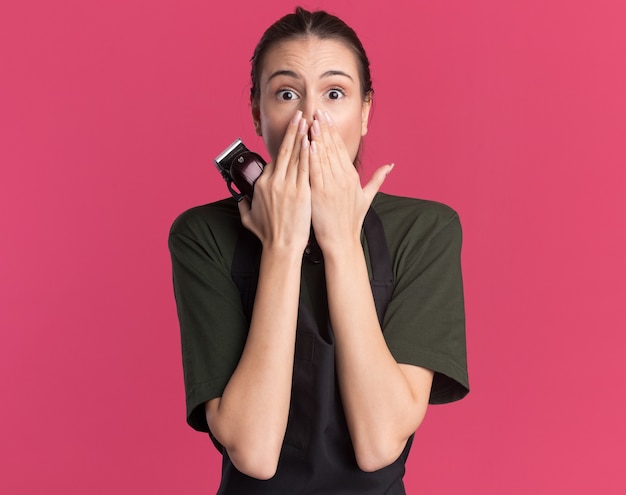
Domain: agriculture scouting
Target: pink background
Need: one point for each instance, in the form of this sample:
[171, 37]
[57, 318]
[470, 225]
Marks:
[512, 112]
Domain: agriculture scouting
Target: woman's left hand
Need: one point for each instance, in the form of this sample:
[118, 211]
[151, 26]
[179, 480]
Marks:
[338, 201]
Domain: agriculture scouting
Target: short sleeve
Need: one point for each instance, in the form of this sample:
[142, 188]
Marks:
[212, 324]
[425, 321]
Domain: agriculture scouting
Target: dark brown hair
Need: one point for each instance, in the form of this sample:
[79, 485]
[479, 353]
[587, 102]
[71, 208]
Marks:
[304, 23]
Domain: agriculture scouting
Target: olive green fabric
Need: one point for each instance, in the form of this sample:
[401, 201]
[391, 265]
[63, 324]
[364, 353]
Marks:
[424, 324]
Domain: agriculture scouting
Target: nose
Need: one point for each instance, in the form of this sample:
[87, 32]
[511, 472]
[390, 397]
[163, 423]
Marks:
[308, 109]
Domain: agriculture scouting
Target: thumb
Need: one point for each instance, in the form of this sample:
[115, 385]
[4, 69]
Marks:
[377, 179]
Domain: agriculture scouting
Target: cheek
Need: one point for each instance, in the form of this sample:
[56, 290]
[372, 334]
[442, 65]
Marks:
[351, 134]
[270, 141]
[273, 134]
[273, 128]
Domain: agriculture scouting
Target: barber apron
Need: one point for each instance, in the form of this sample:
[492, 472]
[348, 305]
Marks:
[317, 456]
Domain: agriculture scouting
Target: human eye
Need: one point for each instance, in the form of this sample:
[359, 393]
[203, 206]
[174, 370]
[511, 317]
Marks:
[335, 94]
[286, 94]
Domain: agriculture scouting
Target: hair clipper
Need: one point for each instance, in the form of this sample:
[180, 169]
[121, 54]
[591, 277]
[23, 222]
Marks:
[241, 167]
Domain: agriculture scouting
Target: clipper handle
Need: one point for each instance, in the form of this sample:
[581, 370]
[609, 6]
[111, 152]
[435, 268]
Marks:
[238, 165]
[245, 170]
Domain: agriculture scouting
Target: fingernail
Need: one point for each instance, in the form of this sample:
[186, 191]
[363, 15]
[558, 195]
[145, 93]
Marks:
[320, 116]
[305, 142]
[296, 118]
[302, 126]
[390, 168]
[313, 147]
[329, 119]
[316, 128]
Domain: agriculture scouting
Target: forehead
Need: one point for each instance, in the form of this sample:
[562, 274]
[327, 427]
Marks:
[310, 56]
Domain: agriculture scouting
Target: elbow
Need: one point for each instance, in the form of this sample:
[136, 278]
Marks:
[255, 459]
[375, 453]
[253, 454]
[376, 459]
[256, 465]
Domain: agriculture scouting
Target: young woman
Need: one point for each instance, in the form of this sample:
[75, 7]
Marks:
[320, 319]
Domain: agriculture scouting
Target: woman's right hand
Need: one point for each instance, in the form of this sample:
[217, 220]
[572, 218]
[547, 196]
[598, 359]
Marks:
[280, 213]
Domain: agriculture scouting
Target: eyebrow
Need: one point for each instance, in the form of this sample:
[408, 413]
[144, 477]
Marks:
[290, 73]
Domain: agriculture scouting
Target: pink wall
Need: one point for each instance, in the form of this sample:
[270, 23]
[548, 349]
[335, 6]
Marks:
[110, 112]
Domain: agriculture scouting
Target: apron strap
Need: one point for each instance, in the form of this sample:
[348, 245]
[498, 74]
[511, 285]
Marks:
[245, 268]
[382, 270]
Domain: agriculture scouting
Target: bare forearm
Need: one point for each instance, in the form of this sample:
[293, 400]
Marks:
[383, 408]
[250, 418]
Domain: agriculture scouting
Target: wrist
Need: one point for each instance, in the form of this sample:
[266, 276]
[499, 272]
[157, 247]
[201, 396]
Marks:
[283, 254]
[343, 254]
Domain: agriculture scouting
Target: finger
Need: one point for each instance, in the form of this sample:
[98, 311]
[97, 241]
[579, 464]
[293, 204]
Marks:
[303, 162]
[319, 149]
[376, 181]
[316, 176]
[286, 147]
[292, 169]
[341, 156]
[326, 138]
[268, 169]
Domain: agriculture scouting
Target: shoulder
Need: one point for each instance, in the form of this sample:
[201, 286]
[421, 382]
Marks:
[221, 214]
[418, 219]
[214, 227]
